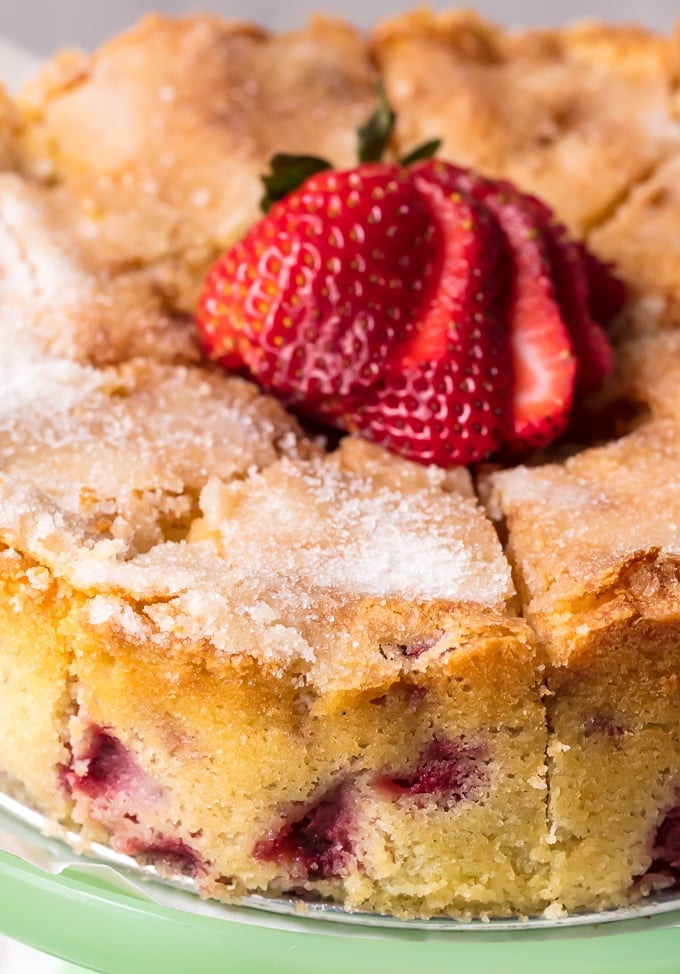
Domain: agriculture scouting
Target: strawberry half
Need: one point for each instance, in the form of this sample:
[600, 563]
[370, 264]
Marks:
[543, 365]
[315, 298]
[445, 395]
[594, 354]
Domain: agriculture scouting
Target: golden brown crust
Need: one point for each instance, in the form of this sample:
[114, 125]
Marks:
[641, 239]
[575, 116]
[61, 296]
[579, 530]
[164, 133]
[35, 699]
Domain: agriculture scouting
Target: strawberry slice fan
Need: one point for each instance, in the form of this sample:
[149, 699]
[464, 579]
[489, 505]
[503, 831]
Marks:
[441, 314]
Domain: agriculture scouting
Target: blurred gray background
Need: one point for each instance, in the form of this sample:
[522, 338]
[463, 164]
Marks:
[43, 25]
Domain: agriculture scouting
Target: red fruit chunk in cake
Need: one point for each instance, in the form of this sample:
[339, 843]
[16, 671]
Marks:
[110, 788]
[316, 845]
[172, 855]
[104, 768]
[603, 724]
[447, 771]
[666, 847]
[417, 649]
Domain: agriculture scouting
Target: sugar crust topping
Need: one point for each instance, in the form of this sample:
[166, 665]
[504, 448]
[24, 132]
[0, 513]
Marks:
[575, 523]
[342, 533]
[269, 555]
[154, 504]
[189, 509]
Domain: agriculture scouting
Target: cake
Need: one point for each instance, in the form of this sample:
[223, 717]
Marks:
[284, 662]
[603, 603]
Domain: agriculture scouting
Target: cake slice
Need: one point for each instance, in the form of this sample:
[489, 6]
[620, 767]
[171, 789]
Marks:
[97, 466]
[162, 135]
[575, 116]
[272, 680]
[595, 547]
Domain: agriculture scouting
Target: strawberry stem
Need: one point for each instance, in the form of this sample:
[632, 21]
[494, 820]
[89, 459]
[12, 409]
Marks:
[427, 150]
[288, 172]
[375, 135]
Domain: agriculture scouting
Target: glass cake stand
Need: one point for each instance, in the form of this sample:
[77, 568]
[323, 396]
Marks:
[100, 916]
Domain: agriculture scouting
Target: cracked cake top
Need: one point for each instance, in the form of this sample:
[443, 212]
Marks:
[133, 168]
[163, 134]
[574, 115]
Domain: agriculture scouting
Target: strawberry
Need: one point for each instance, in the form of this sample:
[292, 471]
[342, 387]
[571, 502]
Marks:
[570, 262]
[313, 301]
[543, 365]
[446, 410]
[439, 313]
[444, 397]
[365, 298]
[606, 292]
[593, 352]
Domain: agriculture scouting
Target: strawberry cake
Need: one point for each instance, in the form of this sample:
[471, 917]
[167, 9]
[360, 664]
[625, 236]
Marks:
[339, 455]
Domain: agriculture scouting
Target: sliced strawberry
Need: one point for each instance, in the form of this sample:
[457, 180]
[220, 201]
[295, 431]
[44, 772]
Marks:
[594, 354]
[607, 293]
[454, 409]
[440, 313]
[569, 262]
[445, 395]
[367, 299]
[544, 367]
[318, 294]
[543, 363]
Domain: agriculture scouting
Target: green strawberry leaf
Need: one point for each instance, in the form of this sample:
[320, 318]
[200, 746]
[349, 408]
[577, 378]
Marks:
[288, 172]
[425, 151]
[375, 135]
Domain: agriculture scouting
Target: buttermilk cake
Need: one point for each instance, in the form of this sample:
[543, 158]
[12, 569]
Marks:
[306, 602]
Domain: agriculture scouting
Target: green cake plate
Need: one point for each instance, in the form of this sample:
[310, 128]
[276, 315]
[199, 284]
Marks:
[88, 922]
[110, 915]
